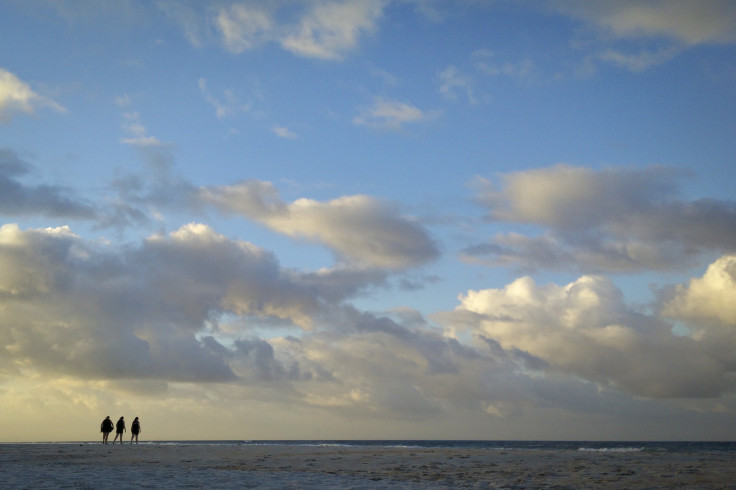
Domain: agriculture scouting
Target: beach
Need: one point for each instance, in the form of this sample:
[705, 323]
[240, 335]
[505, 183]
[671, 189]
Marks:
[178, 465]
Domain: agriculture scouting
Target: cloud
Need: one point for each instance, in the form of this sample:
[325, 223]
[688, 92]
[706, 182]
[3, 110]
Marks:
[144, 312]
[244, 26]
[191, 22]
[687, 22]
[18, 199]
[284, 132]
[230, 106]
[388, 114]
[484, 62]
[640, 61]
[359, 229]
[16, 96]
[707, 303]
[330, 30]
[585, 329]
[137, 132]
[162, 310]
[325, 30]
[453, 81]
[615, 219]
[185, 308]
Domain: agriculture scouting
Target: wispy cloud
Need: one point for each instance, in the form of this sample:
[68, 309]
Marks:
[227, 106]
[244, 26]
[670, 26]
[284, 132]
[452, 81]
[640, 61]
[329, 30]
[687, 22]
[137, 134]
[16, 96]
[388, 114]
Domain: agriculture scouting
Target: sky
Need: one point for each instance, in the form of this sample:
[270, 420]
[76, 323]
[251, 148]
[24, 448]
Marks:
[368, 219]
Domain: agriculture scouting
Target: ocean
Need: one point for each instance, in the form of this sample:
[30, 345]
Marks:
[370, 464]
[602, 446]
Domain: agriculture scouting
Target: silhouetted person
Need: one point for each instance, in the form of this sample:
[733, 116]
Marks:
[135, 429]
[106, 427]
[119, 429]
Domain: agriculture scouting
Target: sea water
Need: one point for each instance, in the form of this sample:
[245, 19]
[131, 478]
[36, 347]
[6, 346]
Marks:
[595, 446]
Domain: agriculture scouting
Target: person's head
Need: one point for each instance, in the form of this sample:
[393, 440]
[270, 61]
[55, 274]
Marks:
[121, 418]
[136, 418]
[107, 417]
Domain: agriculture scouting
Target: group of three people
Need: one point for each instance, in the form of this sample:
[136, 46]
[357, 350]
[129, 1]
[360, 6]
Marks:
[107, 426]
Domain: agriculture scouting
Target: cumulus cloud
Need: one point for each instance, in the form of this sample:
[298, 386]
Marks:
[153, 312]
[706, 304]
[19, 199]
[359, 229]
[586, 330]
[143, 312]
[388, 114]
[615, 219]
[187, 306]
[16, 96]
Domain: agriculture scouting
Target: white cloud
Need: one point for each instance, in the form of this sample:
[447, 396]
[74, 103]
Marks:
[358, 229]
[614, 219]
[188, 18]
[332, 29]
[228, 106]
[123, 100]
[284, 132]
[390, 115]
[640, 61]
[16, 96]
[136, 312]
[486, 64]
[244, 26]
[324, 30]
[585, 329]
[686, 21]
[707, 303]
[452, 81]
[137, 132]
[176, 314]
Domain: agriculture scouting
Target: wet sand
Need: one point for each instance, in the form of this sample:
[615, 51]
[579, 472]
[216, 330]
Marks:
[88, 465]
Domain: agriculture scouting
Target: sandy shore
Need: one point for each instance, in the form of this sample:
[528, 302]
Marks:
[273, 466]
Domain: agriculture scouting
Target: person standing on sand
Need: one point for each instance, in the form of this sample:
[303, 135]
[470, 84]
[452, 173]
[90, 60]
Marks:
[119, 429]
[106, 427]
[135, 429]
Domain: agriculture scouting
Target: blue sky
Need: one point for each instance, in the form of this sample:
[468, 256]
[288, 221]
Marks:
[368, 218]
